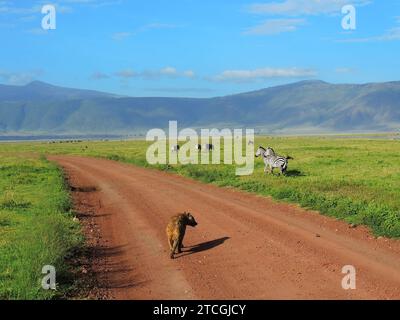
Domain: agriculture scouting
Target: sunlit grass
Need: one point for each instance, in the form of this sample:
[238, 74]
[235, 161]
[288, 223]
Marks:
[357, 180]
[36, 226]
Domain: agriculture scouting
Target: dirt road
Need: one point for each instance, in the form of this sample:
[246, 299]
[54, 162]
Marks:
[245, 246]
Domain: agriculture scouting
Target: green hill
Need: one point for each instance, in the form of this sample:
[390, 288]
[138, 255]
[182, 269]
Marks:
[302, 107]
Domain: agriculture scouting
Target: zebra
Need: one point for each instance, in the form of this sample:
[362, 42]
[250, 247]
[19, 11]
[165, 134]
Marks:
[198, 147]
[208, 147]
[272, 160]
[175, 148]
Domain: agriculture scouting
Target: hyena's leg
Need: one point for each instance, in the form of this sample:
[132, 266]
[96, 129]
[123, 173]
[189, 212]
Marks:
[174, 247]
[180, 246]
[170, 242]
[180, 243]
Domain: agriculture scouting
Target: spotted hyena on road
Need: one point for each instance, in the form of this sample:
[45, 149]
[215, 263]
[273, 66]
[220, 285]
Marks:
[176, 231]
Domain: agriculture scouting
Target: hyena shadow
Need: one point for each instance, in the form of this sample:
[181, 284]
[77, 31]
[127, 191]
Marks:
[203, 246]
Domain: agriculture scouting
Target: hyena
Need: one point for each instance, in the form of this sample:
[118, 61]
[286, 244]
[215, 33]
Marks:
[176, 231]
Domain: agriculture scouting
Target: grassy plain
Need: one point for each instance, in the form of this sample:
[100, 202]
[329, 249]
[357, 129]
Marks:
[357, 180]
[36, 226]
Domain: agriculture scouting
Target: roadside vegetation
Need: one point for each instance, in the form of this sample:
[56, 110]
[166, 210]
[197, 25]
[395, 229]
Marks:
[357, 180]
[36, 226]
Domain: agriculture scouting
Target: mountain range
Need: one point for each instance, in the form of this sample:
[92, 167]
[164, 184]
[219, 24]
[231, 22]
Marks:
[303, 107]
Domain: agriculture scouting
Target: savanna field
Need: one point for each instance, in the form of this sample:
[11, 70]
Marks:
[36, 226]
[357, 180]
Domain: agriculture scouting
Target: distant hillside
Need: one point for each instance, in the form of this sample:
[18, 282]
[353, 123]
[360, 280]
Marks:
[302, 107]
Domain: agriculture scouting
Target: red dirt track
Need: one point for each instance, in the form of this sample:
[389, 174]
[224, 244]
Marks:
[244, 247]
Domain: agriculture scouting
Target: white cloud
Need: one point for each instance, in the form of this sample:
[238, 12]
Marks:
[390, 35]
[303, 7]
[118, 36]
[100, 4]
[344, 70]
[127, 73]
[92, 3]
[37, 31]
[287, 9]
[181, 90]
[157, 26]
[62, 6]
[147, 27]
[28, 18]
[188, 74]
[275, 26]
[264, 73]
[99, 76]
[169, 72]
[78, 1]
[19, 78]
[9, 8]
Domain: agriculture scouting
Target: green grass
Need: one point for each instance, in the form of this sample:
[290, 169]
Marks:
[36, 226]
[357, 180]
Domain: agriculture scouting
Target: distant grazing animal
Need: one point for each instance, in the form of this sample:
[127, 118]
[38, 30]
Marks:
[176, 229]
[272, 160]
[198, 146]
[251, 142]
[175, 148]
[208, 147]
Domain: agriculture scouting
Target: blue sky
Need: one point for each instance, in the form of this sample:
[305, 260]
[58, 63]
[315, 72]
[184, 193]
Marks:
[197, 48]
